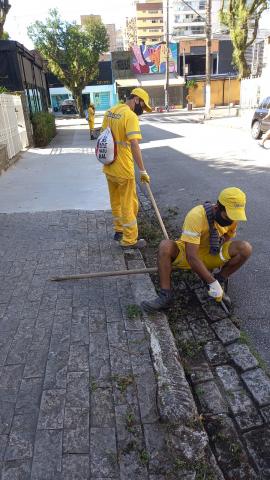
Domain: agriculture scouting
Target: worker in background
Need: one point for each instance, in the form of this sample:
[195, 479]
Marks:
[91, 120]
[205, 245]
[124, 124]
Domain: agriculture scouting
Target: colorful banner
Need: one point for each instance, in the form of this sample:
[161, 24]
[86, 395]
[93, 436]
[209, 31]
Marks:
[152, 58]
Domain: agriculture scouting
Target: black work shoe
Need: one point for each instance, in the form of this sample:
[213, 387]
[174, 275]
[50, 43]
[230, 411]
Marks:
[118, 236]
[162, 302]
[141, 243]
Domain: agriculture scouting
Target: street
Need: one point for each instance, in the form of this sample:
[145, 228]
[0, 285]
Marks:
[191, 162]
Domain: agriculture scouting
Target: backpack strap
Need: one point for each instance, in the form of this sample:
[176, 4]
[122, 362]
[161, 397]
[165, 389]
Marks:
[214, 237]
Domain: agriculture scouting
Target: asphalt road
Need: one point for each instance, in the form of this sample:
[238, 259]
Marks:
[191, 162]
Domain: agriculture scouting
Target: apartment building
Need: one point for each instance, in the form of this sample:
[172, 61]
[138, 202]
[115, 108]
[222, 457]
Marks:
[188, 18]
[116, 41]
[149, 22]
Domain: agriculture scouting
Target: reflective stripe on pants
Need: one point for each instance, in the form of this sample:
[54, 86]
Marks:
[125, 205]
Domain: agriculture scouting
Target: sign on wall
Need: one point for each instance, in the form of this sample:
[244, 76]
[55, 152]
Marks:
[152, 58]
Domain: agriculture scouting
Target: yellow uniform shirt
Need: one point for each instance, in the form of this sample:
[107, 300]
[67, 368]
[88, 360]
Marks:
[124, 125]
[196, 230]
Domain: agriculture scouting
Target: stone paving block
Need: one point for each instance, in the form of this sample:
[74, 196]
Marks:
[51, 415]
[131, 452]
[78, 358]
[5, 342]
[75, 467]
[258, 383]
[56, 370]
[226, 331]
[10, 379]
[201, 294]
[156, 449]
[103, 460]
[139, 348]
[3, 444]
[124, 389]
[99, 357]
[16, 470]
[76, 430]
[20, 346]
[79, 326]
[47, 455]
[229, 378]
[258, 443]
[97, 321]
[265, 411]
[215, 353]
[230, 452]
[147, 395]
[245, 413]
[213, 311]
[210, 398]
[242, 356]
[77, 389]
[200, 329]
[198, 370]
[7, 409]
[102, 410]
[22, 437]
[36, 361]
[29, 396]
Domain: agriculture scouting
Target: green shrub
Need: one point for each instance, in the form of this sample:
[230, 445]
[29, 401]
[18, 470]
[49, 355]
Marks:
[43, 128]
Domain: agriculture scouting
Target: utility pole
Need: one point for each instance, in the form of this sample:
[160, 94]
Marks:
[167, 81]
[208, 33]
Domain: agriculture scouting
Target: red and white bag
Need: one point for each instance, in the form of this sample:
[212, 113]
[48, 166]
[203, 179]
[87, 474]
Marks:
[106, 148]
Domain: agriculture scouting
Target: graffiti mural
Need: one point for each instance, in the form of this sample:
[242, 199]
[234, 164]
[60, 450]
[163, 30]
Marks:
[152, 58]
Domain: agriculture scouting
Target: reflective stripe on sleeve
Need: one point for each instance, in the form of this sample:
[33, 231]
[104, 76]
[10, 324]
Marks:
[190, 234]
[221, 256]
[124, 144]
[133, 133]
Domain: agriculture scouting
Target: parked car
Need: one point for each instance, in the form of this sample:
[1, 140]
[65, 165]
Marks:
[68, 106]
[258, 124]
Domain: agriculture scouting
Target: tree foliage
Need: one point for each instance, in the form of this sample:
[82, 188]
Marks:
[72, 52]
[242, 19]
[4, 9]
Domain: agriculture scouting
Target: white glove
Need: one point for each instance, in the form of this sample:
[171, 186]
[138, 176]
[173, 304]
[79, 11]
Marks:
[215, 290]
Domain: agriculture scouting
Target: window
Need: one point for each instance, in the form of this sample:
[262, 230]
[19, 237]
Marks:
[202, 5]
[122, 64]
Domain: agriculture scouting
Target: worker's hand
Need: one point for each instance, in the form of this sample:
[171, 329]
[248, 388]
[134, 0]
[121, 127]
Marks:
[215, 291]
[144, 177]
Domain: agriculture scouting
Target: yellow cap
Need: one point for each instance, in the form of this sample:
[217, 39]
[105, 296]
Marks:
[143, 95]
[234, 201]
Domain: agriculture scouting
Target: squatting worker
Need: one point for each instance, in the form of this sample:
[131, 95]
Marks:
[124, 124]
[205, 245]
[91, 120]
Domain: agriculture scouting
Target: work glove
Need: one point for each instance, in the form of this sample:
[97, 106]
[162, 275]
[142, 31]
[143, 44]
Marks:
[144, 177]
[215, 291]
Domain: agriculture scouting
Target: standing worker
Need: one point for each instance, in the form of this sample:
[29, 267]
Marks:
[91, 120]
[205, 244]
[124, 124]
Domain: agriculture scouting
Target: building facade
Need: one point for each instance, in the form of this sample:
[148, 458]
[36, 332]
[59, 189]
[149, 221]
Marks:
[24, 71]
[149, 22]
[188, 19]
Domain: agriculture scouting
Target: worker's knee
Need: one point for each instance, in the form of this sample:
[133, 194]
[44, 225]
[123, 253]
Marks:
[167, 248]
[242, 248]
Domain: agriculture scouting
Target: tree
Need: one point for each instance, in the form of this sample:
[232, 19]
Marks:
[4, 9]
[242, 19]
[72, 52]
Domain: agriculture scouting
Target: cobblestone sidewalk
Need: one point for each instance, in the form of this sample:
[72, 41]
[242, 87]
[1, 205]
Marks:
[81, 397]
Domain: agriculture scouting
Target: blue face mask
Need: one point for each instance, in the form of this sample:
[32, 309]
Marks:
[223, 222]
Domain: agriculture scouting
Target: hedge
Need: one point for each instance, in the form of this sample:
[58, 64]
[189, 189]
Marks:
[43, 128]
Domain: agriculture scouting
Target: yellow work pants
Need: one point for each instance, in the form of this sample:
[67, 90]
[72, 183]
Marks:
[124, 205]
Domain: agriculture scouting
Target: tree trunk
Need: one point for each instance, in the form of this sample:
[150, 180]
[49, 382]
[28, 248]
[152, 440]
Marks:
[244, 70]
[78, 98]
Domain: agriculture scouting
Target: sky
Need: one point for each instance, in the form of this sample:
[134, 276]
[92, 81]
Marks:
[22, 14]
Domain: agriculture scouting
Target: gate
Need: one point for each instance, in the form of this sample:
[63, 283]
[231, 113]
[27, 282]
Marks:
[12, 124]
